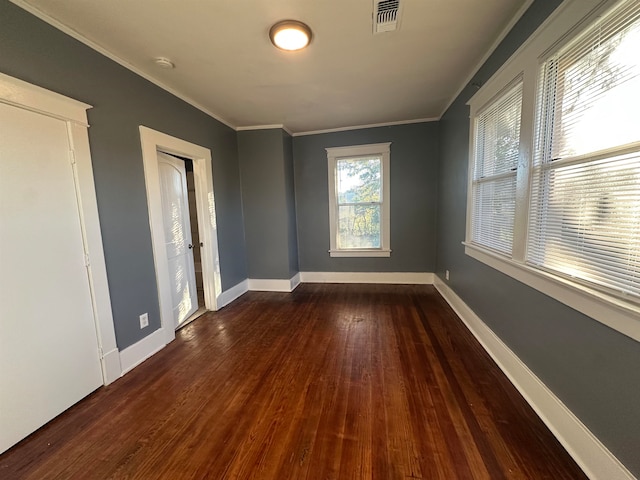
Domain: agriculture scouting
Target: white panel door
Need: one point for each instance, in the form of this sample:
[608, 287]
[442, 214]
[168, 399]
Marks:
[177, 234]
[48, 345]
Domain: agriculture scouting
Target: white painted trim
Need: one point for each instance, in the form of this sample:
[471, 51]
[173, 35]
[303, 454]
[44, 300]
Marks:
[92, 238]
[295, 281]
[489, 52]
[264, 127]
[37, 99]
[585, 448]
[137, 353]
[405, 278]
[111, 368]
[228, 296]
[152, 141]
[273, 285]
[45, 102]
[363, 252]
[110, 55]
[334, 154]
[371, 125]
[607, 309]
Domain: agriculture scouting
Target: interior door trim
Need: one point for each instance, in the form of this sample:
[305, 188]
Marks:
[153, 141]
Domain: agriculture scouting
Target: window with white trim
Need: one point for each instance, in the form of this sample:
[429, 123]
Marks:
[554, 179]
[359, 200]
[497, 144]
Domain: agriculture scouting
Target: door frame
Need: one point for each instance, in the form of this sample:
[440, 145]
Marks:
[37, 99]
[153, 141]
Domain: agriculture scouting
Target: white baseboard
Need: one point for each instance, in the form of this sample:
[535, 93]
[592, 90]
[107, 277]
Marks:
[111, 369]
[585, 448]
[137, 353]
[274, 285]
[422, 278]
[228, 296]
[295, 281]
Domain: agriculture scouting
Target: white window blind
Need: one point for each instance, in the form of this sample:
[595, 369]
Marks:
[497, 142]
[584, 219]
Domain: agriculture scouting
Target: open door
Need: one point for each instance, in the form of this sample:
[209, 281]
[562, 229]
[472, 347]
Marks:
[177, 234]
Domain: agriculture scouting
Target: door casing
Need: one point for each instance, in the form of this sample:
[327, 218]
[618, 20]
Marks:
[153, 141]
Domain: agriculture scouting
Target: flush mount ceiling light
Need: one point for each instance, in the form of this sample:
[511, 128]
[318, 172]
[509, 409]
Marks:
[290, 35]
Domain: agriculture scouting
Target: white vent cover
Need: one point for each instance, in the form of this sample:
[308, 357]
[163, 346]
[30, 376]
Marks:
[386, 14]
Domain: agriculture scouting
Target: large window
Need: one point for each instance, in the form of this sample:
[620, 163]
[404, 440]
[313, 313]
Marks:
[359, 200]
[585, 202]
[554, 187]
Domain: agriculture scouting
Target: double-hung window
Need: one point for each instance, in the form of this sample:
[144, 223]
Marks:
[359, 200]
[496, 145]
[554, 179]
[585, 197]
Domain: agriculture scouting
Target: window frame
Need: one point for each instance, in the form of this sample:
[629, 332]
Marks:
[569, 20]
[383, 150]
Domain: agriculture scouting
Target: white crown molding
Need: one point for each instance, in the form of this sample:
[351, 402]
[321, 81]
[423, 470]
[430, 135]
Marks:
[371, 125]
[91, 44]
[489, 52]
[264, 127]
[583, 446]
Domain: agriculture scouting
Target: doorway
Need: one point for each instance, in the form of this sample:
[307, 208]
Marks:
[153, 143]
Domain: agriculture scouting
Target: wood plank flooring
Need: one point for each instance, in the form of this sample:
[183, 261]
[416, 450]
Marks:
[329, 382]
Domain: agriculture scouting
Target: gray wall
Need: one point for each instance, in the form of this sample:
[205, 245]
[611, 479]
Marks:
[414, 159]
[267, 198]
[290, 197]
[593, 369]
[38, 53]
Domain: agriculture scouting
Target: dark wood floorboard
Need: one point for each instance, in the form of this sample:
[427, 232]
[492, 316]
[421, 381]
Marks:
[329, 382]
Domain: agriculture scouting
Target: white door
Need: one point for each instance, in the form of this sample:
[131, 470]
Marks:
[177, 235]
[48, 345]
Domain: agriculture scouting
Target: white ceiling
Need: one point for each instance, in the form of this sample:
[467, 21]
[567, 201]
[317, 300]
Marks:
[226, 65]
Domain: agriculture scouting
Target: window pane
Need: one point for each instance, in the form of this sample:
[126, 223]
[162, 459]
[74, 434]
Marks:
[591, 90]
[358, 180]
[498, 136]
[494, 209]
[359, 226]
[587, 224]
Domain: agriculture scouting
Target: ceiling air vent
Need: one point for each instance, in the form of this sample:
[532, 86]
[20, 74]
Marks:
[385, 15]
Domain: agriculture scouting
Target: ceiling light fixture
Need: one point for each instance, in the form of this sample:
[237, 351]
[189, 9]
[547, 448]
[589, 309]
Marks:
[290, 35]
[163, 62]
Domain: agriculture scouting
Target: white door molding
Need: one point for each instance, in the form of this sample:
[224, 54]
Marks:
[153, 141]
[37, 99]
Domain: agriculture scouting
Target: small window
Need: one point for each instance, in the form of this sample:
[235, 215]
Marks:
[496, 152]
[359, 200]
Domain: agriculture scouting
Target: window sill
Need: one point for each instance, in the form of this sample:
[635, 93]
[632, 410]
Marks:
[607, 309]
[377, 252]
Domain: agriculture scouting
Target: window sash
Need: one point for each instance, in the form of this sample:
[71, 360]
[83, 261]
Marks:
[496, 154]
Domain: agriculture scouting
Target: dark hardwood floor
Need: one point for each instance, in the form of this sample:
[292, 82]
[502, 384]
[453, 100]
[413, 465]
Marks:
[329, 382]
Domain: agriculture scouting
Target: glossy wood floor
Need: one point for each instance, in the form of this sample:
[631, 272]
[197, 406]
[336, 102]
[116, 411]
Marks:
[330, 382]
